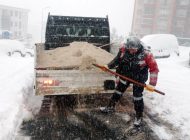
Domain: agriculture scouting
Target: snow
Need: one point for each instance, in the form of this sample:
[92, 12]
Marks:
[17, 75]
[174, 80]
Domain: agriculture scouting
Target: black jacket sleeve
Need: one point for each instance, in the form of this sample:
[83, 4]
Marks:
[115, 62]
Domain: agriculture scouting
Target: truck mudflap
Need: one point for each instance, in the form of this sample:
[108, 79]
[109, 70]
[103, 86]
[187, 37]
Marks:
[64, 82]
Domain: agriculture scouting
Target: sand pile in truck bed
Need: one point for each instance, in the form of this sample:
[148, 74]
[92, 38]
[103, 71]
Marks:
[78, 55]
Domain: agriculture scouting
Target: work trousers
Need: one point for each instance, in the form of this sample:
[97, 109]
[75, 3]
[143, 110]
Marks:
[137, 95]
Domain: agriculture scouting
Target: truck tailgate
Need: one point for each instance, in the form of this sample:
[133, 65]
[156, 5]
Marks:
[63, 82]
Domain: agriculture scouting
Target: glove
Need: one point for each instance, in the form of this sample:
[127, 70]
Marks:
[153, 78]
[149, 88]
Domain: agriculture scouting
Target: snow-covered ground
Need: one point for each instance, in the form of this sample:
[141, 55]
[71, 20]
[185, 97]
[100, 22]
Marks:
[17, 75]
[16, 80]
[174, 80]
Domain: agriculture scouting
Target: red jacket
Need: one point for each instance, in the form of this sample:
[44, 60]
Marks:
[144, 61]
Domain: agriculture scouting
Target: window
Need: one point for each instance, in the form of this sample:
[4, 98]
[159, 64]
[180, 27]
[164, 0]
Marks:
[145, 30]
[16, 13]
[183, 2]
[19, 25]
[11, 24]
[181, 13]
[162, 24]
[164, 2]
[164, 12]
[147, 21]
[19, 15]
[149, 1]
[180, 24]
[11, 13]
[15, 33]
[161, 30]
[148, 11]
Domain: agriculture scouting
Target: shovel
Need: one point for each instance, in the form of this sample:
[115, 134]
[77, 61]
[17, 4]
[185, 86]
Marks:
[129, 79]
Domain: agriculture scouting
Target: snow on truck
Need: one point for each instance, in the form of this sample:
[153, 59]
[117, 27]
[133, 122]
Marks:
[63, 64]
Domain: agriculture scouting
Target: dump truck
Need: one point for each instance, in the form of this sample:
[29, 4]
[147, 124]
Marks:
[57, 80]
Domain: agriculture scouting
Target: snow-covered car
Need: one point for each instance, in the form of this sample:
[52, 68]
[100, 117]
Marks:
[28, 52]
[161, 45]
[13, 48]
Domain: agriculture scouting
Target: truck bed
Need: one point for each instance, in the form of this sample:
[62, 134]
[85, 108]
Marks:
[53, 78]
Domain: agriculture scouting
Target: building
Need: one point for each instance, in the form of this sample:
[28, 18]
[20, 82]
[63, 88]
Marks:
[13, 22]
[161, 16]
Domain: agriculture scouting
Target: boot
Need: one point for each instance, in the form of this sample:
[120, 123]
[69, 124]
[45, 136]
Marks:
[138, 119]
[110, 108]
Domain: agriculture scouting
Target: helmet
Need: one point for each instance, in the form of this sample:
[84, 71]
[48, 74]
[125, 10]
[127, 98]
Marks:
[133, 42]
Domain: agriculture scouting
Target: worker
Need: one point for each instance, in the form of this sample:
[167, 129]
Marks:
[133, 61]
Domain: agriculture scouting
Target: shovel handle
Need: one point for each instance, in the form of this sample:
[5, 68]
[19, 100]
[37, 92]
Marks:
[158, 91]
